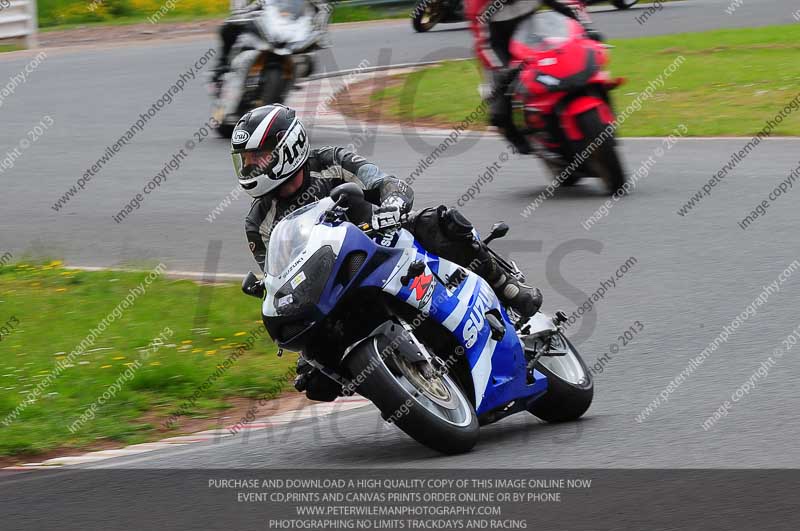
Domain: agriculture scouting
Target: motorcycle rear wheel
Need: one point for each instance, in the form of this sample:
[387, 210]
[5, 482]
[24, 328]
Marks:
[570, 387]
[436, 413]
[425, 19]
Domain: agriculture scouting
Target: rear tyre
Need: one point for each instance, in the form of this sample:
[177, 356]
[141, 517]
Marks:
[440, 417]
[603, 161]
[570, 387]
[427, 16]
[624, 4]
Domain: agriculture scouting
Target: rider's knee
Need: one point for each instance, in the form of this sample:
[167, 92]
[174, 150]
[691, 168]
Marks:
[455, 225]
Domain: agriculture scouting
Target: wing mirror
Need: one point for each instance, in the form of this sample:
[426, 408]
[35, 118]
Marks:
[252, 285]
[499, 230]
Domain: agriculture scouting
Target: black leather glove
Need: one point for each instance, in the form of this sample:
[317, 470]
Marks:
[386, 217]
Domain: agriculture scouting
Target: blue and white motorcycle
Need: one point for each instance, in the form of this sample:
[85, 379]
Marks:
[426, 340]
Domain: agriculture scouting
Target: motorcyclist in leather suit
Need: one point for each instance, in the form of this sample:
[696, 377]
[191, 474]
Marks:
[274, 163]
[493, 22]
[242, 20]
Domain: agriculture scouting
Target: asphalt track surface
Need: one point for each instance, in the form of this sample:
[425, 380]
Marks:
[693, 275]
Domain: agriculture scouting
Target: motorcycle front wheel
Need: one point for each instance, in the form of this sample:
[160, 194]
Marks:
[570, 388]
[603, 161]
[273, 84]
[624, 4]
[431, 410]
[427, 13]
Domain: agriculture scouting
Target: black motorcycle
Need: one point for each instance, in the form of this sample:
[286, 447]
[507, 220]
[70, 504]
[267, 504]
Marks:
[619, 4]
[428, 13]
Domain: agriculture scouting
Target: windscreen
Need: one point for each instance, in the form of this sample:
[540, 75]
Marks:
[293, 9]
[544, 30]
[290, 236]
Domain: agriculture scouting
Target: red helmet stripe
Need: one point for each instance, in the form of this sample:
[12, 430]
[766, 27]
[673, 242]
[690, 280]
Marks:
[269, 126]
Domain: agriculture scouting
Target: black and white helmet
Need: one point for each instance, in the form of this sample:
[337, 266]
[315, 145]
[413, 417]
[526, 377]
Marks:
[269, 145]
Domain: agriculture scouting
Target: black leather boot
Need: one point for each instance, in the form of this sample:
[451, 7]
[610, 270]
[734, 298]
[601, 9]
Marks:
[500, 111]
[524, 300]
[316, 385]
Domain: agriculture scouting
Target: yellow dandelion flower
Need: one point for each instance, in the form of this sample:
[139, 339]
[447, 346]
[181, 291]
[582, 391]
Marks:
[237, 334]
[210, 352]
[187, 341]
[219, 339]
[61, 289]
[155, 363]
[117, 358]
[105, 366]
[196, 350]
[55, 263]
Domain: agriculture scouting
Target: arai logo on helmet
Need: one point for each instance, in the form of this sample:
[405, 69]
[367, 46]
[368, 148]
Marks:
[239, 137]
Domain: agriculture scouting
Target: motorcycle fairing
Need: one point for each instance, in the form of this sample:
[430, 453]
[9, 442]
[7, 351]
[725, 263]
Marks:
[280, 27]
[580, 105]
[279, 32]
[498, 368]
[558, 59]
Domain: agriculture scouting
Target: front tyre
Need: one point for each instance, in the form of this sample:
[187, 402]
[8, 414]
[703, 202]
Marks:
[624, 4]
[433, 410]
[274, 84]
[602, 161]
[570, 387]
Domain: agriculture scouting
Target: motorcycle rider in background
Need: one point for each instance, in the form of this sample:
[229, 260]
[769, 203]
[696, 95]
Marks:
[242, 20]
[493, 22]
[274, 163]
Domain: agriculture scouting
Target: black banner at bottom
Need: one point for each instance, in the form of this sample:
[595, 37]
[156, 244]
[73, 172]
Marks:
[403, 499]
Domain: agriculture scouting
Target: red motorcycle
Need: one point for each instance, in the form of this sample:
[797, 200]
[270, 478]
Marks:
[561, 99]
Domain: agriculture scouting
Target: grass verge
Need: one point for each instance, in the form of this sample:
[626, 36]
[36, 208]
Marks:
[731, 82]
[54, 309]
[67, 14]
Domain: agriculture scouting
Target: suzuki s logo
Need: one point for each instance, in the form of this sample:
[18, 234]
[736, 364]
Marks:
[477, 317]
[423, 288]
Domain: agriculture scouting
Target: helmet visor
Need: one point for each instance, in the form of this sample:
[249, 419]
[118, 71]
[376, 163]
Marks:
[251, 164]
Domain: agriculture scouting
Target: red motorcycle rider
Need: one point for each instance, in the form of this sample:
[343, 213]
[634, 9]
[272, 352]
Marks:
[493, 22]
